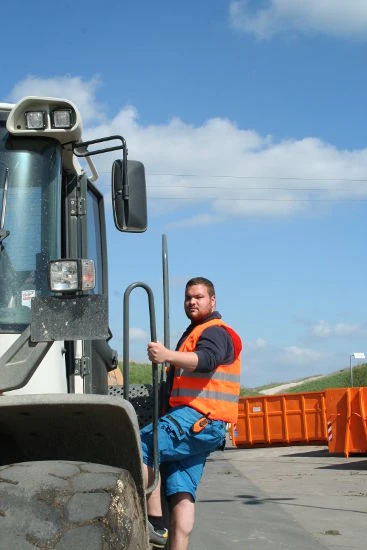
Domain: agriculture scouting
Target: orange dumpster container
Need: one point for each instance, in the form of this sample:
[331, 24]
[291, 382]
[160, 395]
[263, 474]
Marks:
[347, 420]
[282, 419]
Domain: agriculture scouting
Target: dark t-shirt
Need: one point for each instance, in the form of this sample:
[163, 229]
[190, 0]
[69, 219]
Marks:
[214, 347]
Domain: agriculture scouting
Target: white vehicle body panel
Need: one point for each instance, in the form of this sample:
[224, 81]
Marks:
[49, 377]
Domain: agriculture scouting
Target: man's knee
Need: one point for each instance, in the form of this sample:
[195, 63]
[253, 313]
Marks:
[182, 511]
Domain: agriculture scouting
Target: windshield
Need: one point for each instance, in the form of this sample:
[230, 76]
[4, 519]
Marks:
[30, 179]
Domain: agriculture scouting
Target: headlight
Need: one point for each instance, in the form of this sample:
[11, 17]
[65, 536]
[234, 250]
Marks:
[62, 118]
[71, 275]
[35, 120]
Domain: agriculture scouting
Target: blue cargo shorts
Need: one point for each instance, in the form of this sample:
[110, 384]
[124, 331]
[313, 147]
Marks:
[181, 453]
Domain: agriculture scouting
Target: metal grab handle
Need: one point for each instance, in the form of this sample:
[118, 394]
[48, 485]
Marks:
[166, 323]
[126, 360]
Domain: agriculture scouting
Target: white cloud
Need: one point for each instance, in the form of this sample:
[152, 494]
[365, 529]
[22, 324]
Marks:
[216, 171]
[196, 221]
[322, 329]
[263, 363]
[346, 18]
[138, 334]
[294, 355]
[252, 177]
[257, 344]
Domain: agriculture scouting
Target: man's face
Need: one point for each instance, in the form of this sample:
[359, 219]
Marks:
[198, 303]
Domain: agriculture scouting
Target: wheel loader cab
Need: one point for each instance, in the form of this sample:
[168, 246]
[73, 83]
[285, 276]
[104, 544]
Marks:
[53, 253]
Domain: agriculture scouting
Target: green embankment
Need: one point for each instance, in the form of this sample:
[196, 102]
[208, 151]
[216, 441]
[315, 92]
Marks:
[142, 374]
[139, 373]
[338, 379]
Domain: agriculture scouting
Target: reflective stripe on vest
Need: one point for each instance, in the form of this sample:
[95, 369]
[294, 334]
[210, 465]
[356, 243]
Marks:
[215, 393]
[207, 394]
[213, 375]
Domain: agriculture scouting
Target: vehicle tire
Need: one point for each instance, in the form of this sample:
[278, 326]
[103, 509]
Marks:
[65, 505]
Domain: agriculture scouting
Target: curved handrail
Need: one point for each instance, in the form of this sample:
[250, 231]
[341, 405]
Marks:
[153, 336]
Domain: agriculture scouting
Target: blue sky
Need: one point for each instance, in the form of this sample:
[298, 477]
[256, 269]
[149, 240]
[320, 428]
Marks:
[250, 118]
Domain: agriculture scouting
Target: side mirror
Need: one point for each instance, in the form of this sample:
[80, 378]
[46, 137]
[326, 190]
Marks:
[129, 198]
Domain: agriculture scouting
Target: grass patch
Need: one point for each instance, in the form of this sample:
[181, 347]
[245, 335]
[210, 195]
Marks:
[141, 373]
[339, 379]
[249, 392]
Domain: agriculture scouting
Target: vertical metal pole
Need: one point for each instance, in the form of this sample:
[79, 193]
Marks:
[165, 296]
[166, 328]
[351, 371]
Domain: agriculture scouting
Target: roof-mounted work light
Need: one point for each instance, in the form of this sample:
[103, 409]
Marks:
[35, 120]
[71, 275]
[62, 118]
[47, 117]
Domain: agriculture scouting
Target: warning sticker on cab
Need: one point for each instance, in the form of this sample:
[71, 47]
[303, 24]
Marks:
[27, 295]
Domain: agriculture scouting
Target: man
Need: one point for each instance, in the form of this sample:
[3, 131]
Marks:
[205, 385]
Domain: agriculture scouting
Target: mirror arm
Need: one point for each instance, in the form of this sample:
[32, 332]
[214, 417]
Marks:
[80, 149]
[125, 184]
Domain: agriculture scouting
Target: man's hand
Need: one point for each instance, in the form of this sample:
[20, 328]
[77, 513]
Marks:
[157, 352]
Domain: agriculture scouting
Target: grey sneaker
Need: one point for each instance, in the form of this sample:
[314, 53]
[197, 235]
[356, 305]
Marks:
[157, 537]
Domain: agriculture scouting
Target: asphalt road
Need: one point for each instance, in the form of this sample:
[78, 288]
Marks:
[282, 498]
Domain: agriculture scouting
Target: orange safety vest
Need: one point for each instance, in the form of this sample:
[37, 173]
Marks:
[215, 394]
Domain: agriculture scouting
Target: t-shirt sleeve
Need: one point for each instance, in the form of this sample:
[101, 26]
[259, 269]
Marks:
[214, 347]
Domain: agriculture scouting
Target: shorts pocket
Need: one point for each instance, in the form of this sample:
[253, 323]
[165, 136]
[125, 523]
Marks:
[172, 426]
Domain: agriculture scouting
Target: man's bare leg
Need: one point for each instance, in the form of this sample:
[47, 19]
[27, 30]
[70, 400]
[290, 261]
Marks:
[158, 533]
[182, 517]
[154, 504]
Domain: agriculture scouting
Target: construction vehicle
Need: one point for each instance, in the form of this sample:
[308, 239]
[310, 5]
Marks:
[70, 459]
